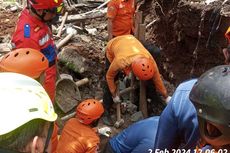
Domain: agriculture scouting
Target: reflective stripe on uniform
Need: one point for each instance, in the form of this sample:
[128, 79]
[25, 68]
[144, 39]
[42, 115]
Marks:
[44, 39]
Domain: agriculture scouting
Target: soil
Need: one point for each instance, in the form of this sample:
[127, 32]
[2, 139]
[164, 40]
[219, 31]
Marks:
[176, 31]
[7, 22]
[189, 33]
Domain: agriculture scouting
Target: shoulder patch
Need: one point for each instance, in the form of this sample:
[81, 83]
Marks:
[27, 31]
[37, 29]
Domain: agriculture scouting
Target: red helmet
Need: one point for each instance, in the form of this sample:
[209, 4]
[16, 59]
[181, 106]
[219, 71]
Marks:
[89, 110]
[25, 61]
[45, 4]
[143, 68]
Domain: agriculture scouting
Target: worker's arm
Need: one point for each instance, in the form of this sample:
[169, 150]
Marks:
[110, 76]
[158, 82]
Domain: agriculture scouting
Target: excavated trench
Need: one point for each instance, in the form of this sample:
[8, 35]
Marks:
[190, 34]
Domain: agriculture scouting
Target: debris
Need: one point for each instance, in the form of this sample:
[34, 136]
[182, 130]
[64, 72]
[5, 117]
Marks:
[72, 32]
[92, 31]
[82, 82]
[5, 48]
[137, 116]
[62, 24]
[87, 15]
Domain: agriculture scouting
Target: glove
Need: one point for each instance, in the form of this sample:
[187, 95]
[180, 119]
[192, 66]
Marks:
[106, 131]
[116, 99]
[168, 99]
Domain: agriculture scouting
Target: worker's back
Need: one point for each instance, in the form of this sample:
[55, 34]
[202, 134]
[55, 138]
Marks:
[77, 138]
[138, 138]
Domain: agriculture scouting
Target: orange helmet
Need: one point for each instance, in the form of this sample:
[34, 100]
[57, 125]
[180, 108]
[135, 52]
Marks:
[45, 4]
[89, 110]
[25, 61]
[143, 68]
[227, 34]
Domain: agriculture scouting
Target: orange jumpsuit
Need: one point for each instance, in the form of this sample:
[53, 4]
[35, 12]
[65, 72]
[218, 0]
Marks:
[121, 12]
[78, 138]
[121, 51]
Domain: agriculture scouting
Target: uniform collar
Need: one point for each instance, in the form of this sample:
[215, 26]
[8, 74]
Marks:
[33, 18]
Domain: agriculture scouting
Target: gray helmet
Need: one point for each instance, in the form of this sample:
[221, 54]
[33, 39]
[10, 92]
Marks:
[211, 98]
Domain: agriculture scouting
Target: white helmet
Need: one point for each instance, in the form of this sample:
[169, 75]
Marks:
[22, 100]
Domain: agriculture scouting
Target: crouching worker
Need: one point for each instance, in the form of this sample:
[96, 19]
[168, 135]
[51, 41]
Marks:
[126, 54]
[32, 63]
[79, 134]
[26, 115]
[198, 115]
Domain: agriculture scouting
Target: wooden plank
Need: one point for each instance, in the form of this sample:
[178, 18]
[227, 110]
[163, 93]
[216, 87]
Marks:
[131, 95]
[138, 20]
[142, 100]
[62, 24]
[142, 30]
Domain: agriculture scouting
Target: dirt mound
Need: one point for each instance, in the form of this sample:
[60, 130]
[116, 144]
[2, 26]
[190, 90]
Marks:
[191, 35]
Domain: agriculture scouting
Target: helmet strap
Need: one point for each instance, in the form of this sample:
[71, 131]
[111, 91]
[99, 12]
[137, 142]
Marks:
[50, 132]
[95, 123]
[35, 12]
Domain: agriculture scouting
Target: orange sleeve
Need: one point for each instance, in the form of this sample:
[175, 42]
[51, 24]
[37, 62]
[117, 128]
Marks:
[110, 75]
[115, 66]
[112, 9]
[109, 54]
[158, 82]
[227, 34]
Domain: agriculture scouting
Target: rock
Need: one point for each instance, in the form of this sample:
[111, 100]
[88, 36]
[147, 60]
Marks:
[5, 47]
[92, 31]
[73, 60]
[131, 108]
[137, 116]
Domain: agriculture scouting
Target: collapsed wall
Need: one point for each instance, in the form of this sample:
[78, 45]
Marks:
[190, 34]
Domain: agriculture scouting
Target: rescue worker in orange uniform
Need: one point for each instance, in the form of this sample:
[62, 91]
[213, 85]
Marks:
[125, 53]
[120, 16]
[32, 63]
[79, 134]
[33, 31]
